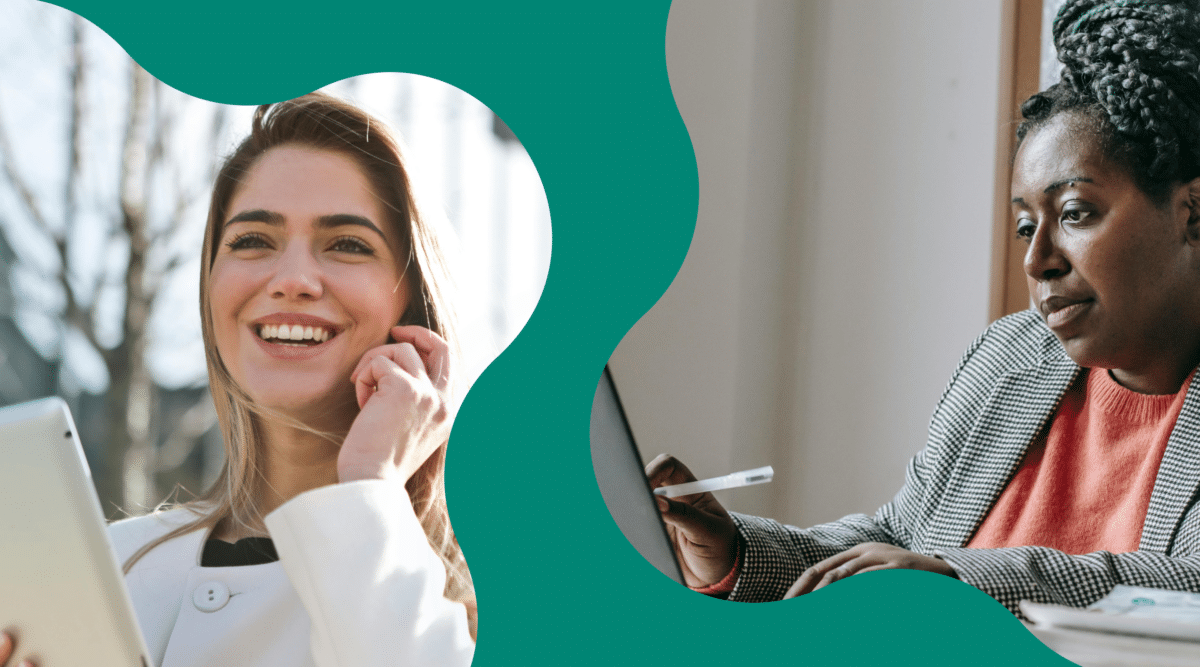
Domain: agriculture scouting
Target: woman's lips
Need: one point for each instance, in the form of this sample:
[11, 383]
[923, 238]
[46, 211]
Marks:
[1062, 313]
[293, 335]
[287, 350]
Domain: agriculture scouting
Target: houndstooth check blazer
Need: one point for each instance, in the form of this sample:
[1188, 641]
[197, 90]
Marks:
[1005, 390]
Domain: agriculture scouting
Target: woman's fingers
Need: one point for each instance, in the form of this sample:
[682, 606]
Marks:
[666, 470]
[404, 407]
[851, 567]
[366, 379]
[385, 361]
[813, 576]
[655, 468]
[395, 369]
[697, 526]
[432, 348]
[402, 416]
[698, 518]
[705, 540]
[403, 354]
[881, 566]
[6, 650]
[417, 351]
[865, 557]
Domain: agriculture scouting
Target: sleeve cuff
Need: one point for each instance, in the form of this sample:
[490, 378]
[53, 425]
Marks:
[725, 586]
[359, 560]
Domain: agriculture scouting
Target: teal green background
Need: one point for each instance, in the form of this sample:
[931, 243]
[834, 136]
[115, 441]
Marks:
[584, 86]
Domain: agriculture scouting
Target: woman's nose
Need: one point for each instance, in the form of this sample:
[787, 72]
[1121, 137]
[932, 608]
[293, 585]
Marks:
[297, 275]
[1044, 260]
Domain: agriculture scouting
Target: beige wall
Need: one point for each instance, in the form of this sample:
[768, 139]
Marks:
[840, 262]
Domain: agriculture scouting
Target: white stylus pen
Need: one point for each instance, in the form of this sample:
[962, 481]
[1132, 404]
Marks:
[732, 480]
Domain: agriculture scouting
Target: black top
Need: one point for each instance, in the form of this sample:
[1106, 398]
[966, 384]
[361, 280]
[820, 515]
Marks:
[246, 551]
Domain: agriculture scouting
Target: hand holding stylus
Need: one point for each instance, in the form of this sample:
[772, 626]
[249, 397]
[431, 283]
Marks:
[731, 481]
[702, 532]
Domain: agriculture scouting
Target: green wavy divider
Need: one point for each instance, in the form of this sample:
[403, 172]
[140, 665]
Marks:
[584, 85]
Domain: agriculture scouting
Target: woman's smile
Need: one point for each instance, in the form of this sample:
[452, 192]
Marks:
[294, 336]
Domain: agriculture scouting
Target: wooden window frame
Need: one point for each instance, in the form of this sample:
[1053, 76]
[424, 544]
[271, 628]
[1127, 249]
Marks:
[1021, 63]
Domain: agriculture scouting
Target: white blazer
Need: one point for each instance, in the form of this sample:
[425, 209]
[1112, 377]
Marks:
[356, 584]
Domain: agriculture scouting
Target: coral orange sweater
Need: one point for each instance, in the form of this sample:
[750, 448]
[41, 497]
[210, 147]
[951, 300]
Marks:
[1085, 484]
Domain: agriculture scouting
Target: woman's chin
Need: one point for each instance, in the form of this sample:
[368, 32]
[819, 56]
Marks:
[323, 412]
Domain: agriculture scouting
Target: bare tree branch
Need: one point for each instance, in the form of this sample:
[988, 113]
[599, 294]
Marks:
[133, 193]
[185, 437]
[220, 117]
[76, 77]
[165, 124]
[185, 198]
[76, 316]
[156, 280]
[18, 182]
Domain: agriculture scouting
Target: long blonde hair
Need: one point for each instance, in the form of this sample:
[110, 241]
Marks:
[324, 122]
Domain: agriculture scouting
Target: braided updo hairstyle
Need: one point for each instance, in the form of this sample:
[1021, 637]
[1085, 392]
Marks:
[1131, 67]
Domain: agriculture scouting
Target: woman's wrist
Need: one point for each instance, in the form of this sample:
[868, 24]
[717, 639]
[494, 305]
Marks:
[727, 583]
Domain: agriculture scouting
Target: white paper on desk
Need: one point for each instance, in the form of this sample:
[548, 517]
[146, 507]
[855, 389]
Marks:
[1151, 603]
[1128, 610]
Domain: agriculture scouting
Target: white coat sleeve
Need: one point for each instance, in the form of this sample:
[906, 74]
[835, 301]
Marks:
[369, 580]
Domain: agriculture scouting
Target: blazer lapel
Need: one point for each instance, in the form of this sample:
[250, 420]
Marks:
[1018, 408]
[1178, 478]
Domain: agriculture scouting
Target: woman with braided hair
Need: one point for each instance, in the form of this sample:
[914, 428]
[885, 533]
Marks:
[1064, 456]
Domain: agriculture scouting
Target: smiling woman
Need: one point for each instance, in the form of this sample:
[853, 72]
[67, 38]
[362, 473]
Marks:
[331, 350]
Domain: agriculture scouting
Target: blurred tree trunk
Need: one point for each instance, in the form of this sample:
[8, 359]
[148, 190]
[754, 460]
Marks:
[131, 395]
[131, 456]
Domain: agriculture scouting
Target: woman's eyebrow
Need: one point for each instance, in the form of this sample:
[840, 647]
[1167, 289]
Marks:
[340, 219]
[1066, 181]
[257, 215]
[1056, 185]
[324, 222]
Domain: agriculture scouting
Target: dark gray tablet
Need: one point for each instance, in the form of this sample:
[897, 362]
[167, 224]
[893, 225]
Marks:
[61, 590]
[622, 481]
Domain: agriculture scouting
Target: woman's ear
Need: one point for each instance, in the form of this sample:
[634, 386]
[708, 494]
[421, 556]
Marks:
[1191, 191]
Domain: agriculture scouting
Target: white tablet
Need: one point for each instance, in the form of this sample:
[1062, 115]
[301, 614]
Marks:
[62, 593]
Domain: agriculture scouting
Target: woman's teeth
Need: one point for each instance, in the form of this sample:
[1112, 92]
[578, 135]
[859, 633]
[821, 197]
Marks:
[294, 332]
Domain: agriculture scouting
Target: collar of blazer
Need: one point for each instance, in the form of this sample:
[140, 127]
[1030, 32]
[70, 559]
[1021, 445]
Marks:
[1018, 404]
[1024, 393]
[1178, 480]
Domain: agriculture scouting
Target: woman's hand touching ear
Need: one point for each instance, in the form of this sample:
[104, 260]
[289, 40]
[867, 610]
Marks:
[403, 392]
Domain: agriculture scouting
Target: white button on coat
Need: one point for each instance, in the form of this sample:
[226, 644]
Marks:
[210, 596]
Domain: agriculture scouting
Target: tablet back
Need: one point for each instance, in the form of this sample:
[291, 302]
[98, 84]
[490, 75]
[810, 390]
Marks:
[622, 481]
[62, 593]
